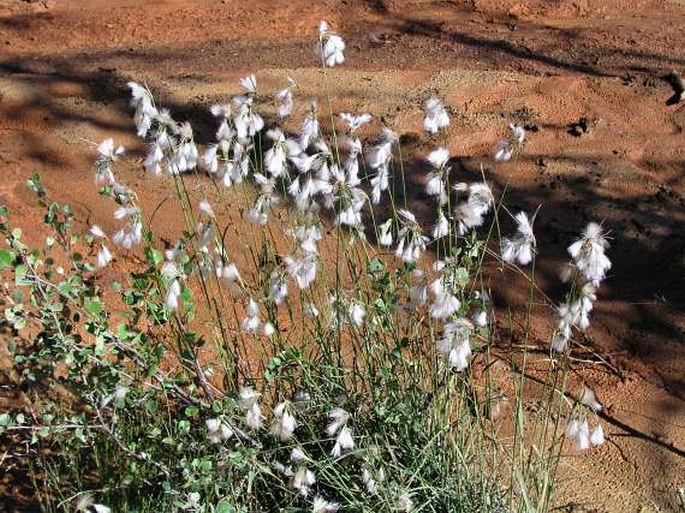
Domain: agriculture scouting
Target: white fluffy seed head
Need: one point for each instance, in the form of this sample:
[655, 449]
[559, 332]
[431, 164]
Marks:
[436, 116]
[438, 158]
[597, 436]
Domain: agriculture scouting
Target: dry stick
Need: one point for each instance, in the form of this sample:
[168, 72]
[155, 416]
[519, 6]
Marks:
[142, 457]
[164, 384]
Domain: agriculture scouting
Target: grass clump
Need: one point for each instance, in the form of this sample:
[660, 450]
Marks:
[273, 358]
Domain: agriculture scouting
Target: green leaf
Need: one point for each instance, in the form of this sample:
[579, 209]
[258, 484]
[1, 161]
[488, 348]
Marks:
[187, 299]
[15, 316]
[191, 411]
[152, 405]
[100, 344]
[183, 427]
[93, 306]
[376, 265]
[225, 506]
[462, 275]
[5, 420]
[157, 256]
[66, 288]
[20, 275]
[6, 258]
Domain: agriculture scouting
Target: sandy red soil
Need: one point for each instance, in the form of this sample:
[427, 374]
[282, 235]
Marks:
[546, 64]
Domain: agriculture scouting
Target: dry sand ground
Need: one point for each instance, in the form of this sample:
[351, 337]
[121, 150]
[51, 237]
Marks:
[543, 63]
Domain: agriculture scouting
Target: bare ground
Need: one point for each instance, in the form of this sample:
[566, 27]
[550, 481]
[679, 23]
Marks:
[546, 64]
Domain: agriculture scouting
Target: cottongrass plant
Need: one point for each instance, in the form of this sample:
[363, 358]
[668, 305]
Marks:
[285, 379]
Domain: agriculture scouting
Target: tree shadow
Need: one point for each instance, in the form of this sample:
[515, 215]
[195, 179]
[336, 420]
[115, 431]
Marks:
[570, 52]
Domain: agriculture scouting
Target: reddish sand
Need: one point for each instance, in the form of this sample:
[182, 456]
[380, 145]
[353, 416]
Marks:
[546, 64]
